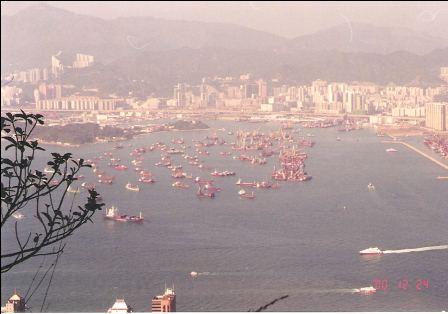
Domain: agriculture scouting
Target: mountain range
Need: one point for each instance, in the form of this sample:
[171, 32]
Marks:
[163, 52]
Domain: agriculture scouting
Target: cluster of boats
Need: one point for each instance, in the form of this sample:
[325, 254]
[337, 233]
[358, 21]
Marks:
[292, 166]
[438, 144]
[266, 144]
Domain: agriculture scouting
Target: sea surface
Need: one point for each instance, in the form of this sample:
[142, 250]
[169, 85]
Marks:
[301, 240]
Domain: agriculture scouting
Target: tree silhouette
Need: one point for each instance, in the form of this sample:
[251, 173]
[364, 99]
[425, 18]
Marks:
[23, 188]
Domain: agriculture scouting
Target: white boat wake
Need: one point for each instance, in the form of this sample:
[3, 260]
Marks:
[421, 249]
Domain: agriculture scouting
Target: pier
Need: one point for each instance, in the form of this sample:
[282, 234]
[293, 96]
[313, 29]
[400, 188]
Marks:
[441, 164]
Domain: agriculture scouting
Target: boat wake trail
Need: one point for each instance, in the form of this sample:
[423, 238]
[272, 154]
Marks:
[328, 291]
[421, 249]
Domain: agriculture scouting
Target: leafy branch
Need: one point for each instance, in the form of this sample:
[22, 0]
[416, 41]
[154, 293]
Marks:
[22, 187]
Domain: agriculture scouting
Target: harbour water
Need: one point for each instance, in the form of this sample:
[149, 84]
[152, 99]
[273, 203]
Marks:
[301, 240]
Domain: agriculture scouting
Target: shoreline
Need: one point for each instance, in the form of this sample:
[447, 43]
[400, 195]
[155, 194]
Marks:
[438, 162]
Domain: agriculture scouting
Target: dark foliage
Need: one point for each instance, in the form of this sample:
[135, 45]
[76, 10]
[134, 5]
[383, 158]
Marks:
[23, 188]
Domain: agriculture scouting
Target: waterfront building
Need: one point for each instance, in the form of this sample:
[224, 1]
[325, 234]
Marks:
[78, 103]
[165, 302]
[15, 304]
[436, 116]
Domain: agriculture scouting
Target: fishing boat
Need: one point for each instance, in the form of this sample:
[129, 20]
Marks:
[250, 196]
[242, 192]
[48, 170]
[180, 185]
[54, 182]
[120, 167]
[132, 187]
[146, 179]
[72, 190]
[371, 187]
[88, 186]
[18, 215]
[263, 185]
[112, 214]
[249, 184]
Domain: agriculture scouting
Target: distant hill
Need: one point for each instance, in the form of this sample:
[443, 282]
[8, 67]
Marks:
[358, 37]
[147, 55]
[30, 37]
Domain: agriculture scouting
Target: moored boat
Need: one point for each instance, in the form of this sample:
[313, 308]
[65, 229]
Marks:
[132, 187]
[112, 214]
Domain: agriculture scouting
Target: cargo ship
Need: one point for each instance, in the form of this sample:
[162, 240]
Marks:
[112, 214]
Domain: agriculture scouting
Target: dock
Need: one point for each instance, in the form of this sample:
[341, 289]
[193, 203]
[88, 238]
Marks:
[441, 164]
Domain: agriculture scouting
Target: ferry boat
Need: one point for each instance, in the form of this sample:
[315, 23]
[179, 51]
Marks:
[132, 187]
[112, 214]
[371, 251]
[366, 290]
[391, 150]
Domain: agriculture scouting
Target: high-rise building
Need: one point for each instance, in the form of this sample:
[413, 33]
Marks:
[15, 304]
[165, 302]
[250, 90]
[120, 306]
[56, 66]
[444, 74]
[179, 95]
[262, 89]
[436, 116]
[83, 61]
[204, 93]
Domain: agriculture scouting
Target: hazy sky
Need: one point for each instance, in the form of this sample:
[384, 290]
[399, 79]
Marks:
[287, 19]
